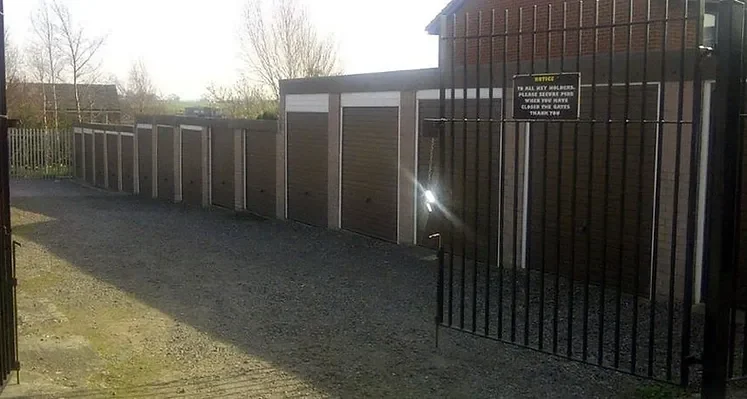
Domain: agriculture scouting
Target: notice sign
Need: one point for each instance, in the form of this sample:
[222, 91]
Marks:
[547, 96]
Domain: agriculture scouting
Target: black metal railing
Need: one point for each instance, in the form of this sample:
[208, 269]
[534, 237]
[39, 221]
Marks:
[574, 233]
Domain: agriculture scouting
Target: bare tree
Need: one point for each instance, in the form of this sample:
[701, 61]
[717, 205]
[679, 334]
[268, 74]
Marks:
[139, 95]
[279, 41]
[79, 51]
[46, 57]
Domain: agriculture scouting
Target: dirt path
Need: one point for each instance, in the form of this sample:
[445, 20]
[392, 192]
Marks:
[127, 297]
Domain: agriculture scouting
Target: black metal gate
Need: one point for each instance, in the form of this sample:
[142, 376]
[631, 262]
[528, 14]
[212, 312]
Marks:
[569, 180]
[8, 323]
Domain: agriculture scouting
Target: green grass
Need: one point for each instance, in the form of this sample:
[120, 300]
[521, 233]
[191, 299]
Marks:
[656, 391]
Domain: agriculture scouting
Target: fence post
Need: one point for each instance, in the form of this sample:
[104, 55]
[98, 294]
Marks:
[722, 198]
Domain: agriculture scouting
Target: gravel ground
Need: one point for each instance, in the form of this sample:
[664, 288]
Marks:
[132, 297]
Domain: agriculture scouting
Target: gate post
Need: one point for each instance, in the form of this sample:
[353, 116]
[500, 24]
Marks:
[722, 198]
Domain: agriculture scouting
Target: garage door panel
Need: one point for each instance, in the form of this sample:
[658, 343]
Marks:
[192, 167]
[128, 164]
[260, 172]
[90, 178]
[112, 154]
[369, 171]
[307, 167]
[145, 161]
[165, 163]
[99, 148]
[222, 167]
[78, 142]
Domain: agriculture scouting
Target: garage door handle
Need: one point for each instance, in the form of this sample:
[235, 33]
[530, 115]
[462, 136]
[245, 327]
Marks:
[223, 182]
[368, 200]
[262, 190]
[191, 182]
[306, 193]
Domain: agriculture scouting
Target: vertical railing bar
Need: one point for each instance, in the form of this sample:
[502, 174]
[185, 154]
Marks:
[590, 182]
[543, 230]
[605, 222]
[463, 215]
[737, 229]
[477, 175]
[516, 187]
[441, 169]
[528, 143]
[639, 200]
[558, 199]
[626, 127]
[490, 173]
[451, 171]
[741, 157]
[501, 175]
[657, 205]
[574, 182]
[675, 205]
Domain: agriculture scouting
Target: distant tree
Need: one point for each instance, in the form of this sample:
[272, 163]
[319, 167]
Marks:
[79, 51]
[46, 58]
[279, 41]
[138, 95]
[242, 100]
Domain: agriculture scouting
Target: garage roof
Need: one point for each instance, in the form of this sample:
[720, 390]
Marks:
[451, 8]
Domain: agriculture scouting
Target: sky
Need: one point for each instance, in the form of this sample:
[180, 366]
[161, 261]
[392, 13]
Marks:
[187, 45]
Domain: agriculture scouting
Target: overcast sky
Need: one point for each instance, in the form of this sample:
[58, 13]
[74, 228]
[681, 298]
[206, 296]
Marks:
[187, 44]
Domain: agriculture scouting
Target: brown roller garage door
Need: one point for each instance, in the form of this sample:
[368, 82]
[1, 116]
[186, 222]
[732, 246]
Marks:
[128, 164]
[145, 161]
[112, 161]
[260, 171]
[192, 167]
[470, 234]
[307, 167]
[88, 138]
[222, 166]
[78, 143]
[166, 163]
[369, 171]
[100, 173]
[552, 194]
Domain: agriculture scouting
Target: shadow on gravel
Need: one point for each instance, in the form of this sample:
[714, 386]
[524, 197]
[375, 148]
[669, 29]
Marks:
[350, 315]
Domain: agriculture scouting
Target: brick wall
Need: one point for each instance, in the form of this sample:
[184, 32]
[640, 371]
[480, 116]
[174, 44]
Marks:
[557, 26]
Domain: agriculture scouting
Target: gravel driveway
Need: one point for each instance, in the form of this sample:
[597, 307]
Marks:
[132, 297]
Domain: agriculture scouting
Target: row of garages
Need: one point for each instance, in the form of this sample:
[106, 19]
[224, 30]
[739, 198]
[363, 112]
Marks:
[199, 162]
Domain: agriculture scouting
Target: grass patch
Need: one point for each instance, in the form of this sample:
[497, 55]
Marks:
[659, 391]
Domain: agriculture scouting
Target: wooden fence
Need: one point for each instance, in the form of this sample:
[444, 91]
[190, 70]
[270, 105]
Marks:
[41, 154]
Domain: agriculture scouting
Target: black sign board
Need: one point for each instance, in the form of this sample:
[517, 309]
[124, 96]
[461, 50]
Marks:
[547, 96]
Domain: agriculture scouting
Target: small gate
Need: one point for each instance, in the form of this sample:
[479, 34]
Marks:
[568, 159]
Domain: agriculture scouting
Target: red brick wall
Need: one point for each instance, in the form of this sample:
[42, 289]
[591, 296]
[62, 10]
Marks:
[524, 14]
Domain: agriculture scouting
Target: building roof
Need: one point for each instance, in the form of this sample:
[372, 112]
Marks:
[96, 97]
[434, 27]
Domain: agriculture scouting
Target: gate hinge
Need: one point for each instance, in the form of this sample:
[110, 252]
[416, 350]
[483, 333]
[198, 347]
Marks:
[16, 366]
[14, 281]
